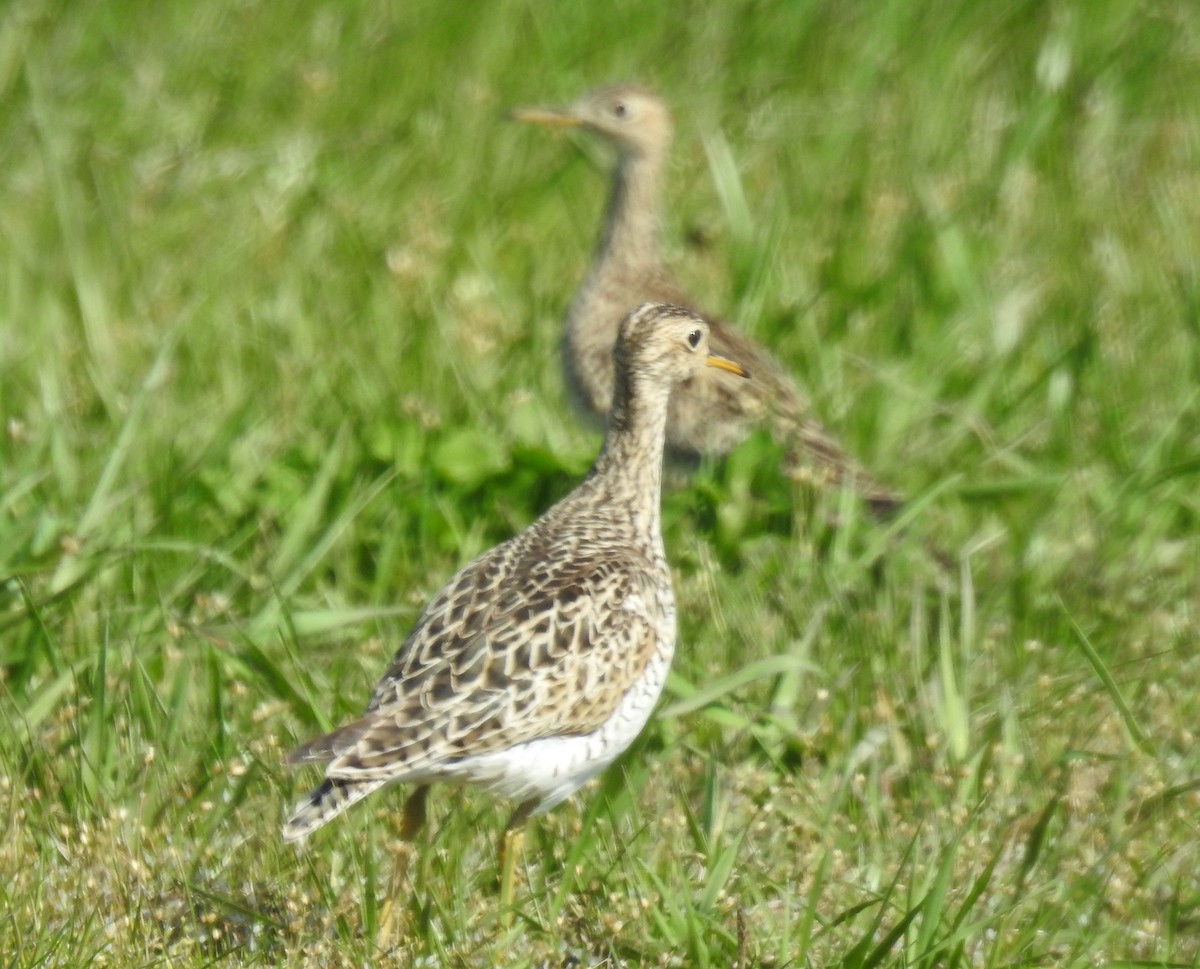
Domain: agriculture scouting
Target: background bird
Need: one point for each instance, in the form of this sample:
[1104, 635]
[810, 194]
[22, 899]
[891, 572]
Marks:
[711, 412]
[541, 660]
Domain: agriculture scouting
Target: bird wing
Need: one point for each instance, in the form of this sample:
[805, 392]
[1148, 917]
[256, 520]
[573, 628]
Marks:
[812, 452]
[492, 664]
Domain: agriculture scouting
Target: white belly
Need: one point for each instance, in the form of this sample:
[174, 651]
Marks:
[554, 768]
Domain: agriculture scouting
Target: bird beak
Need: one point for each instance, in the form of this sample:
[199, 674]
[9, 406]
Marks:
[722, 364]
[545, 116]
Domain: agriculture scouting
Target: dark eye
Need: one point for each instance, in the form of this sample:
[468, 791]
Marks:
[693, 339]
[620, 109]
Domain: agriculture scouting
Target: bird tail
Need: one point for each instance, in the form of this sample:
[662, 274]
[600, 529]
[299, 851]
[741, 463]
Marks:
[325, 803]
[814, 457]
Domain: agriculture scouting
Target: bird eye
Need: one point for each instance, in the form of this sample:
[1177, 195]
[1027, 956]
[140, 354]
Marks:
[620, 109]
[693, 339]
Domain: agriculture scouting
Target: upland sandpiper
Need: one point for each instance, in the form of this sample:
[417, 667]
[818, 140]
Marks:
[711, 412]
[540, 661]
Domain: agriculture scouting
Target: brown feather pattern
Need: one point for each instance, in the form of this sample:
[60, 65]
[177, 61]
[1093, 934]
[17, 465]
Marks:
[540, 661]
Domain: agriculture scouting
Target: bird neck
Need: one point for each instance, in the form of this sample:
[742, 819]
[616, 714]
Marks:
[633, 224]
[630, 463]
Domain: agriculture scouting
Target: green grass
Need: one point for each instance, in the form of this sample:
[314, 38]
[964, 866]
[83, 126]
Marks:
[279, 307]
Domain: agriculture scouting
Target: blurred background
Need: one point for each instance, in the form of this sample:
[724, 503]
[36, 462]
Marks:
[280, 303]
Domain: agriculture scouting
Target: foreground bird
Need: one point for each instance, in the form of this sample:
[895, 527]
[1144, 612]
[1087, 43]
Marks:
[711, 412]
[540, 661]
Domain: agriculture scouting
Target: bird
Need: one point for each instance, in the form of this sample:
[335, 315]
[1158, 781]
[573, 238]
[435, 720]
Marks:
[711, 412]
[540, 661]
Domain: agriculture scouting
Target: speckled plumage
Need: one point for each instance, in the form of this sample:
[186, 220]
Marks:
[540, 661]
[710, 412]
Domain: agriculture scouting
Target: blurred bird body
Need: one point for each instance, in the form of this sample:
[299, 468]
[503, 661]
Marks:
[711, 412]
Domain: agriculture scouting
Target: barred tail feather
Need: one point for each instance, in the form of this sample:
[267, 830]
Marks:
[325, 803]
[815, 457]
[321, 750]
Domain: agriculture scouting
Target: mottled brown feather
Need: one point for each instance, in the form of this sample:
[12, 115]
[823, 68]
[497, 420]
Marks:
[562, 633]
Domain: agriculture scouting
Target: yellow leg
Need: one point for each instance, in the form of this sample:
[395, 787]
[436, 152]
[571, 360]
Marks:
[510, 852]
[410, 827]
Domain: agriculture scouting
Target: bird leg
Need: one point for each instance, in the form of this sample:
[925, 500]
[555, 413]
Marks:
[410, 826]
[511, 843]
[414, 815]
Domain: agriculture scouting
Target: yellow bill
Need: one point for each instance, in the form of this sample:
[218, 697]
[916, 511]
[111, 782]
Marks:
[546, 116]
[721, 363]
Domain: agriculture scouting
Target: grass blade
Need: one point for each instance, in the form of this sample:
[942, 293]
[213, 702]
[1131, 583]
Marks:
[1140, 738]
